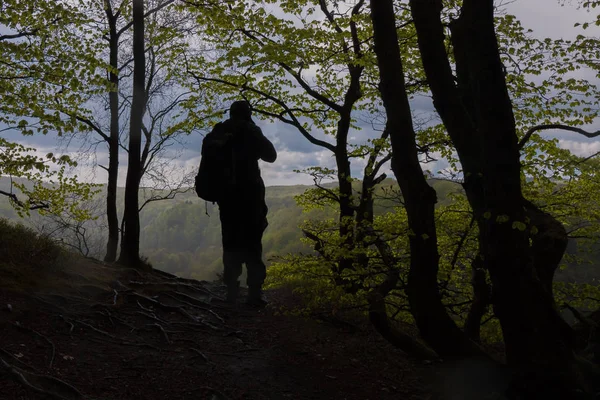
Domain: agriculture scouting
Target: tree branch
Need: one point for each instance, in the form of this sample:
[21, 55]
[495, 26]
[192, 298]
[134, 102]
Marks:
[13, 197]
[148, 13]
[331, 19]
[309, 90]
[93, 126]
[293, 121]
[353, 31]
[19, 35]
[537, 128]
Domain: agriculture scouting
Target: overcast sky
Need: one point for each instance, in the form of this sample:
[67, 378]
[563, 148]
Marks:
[546, 17]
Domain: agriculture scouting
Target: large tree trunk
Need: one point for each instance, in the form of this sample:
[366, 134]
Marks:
[482, 298]
[113, 144]
[479, 119]
[344, 172]
[130, 246]
[435, 326]
[548, 244]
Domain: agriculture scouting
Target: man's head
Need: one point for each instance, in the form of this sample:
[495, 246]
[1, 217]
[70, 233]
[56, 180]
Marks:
[240, 110]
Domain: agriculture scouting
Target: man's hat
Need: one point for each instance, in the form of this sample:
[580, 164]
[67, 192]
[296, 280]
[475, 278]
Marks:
[240, 109]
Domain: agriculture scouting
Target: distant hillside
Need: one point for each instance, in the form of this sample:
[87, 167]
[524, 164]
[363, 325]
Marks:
[183, 235]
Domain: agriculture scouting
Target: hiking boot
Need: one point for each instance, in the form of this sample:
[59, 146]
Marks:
[232, 292]
[255, 297]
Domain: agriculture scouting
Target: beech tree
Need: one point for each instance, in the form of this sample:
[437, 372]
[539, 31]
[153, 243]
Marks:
[257, 56]
[164, 42]
[478, 114]
[436, 327]
[103, 118]
[37, 68]
[130, 246]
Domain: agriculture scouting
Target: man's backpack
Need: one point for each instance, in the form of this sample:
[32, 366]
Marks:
[216, 177]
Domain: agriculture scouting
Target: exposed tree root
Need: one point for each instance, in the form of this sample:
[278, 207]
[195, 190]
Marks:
[72, 326]
[111, 317]
[54, 306]
[380, 320]
[217, 316]
[197, 325]
[190, 286]
[201, 354]
[152, 317]
[52, 354]
[162, 330]
[115, 339]
[93, 328]
[179, 309]
[43, 384]
[190, 302]
[8, 356]
[216, 395]
[236, 355]
[124, 343]
[126, 316]
[197, 303]
[176, 278]
[165, 307]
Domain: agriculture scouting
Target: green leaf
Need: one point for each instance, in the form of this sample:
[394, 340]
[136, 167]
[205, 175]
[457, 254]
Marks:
[502, 218]
[521, 226]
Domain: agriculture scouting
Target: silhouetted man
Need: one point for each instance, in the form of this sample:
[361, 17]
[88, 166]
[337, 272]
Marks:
[244, 213]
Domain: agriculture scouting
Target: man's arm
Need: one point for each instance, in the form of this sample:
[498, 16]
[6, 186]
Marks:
[266, 150]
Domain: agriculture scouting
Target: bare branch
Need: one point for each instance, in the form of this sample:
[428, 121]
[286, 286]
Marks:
[148, 13]
[92, 126]
[13, 197]
[19, 35]
[293, 121]
[298, 77]
[355, 40]
[537, 128]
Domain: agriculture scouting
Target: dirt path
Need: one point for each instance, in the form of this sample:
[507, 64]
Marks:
[109, 333]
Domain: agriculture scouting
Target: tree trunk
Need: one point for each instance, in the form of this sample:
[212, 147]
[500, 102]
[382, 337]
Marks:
[382, 324]
[113, 144]
[482, 298]
[344, 172]
[478, 116]
[130, 245]
[435, 325]
[548, 244]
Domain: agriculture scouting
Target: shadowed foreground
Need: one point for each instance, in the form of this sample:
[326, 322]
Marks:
[90, 330]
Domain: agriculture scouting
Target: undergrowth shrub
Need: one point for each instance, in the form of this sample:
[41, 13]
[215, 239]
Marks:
[312, 280]
[311, 276]
[21, 246]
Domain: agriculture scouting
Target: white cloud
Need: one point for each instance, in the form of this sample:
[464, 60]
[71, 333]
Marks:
[583, 149]
[281, 172]
[548, 18]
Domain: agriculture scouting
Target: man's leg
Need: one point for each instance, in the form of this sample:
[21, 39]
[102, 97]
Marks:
[232, 248]
[257, 271]
[232, 269]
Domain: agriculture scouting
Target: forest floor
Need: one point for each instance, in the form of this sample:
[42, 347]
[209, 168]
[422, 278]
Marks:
[95, 331]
